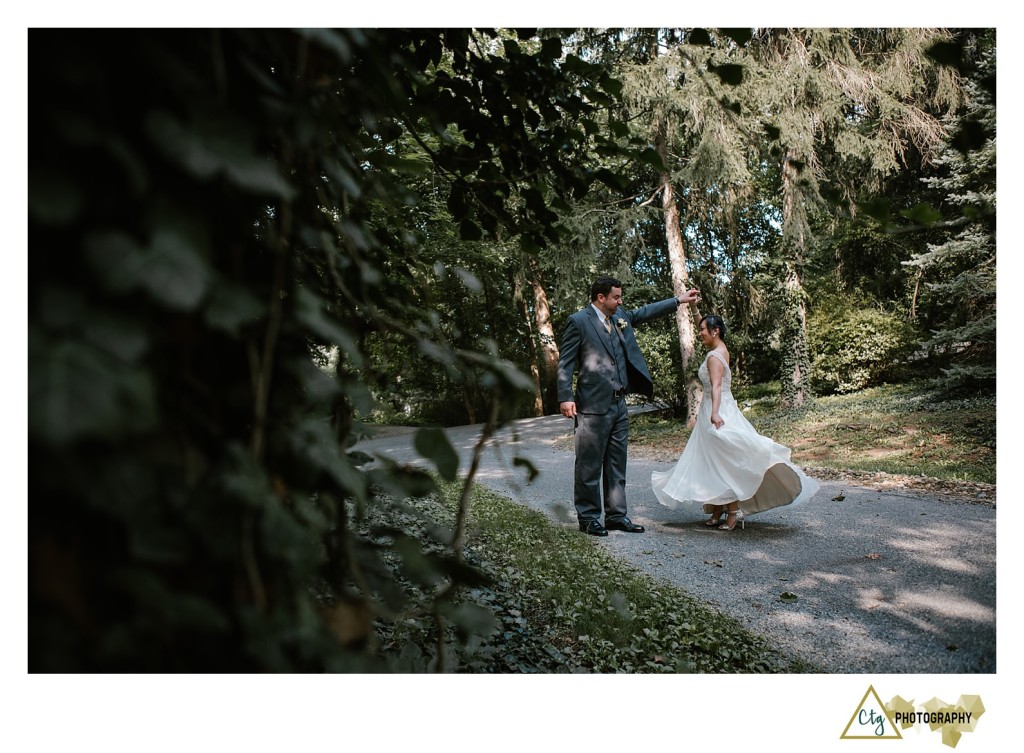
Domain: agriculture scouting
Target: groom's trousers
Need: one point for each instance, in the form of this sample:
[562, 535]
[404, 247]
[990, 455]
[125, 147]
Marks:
[601, 442]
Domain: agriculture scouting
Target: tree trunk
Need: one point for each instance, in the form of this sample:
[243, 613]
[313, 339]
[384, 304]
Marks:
[677, 257]
[796, 361]
[546, 338]
[524, 313]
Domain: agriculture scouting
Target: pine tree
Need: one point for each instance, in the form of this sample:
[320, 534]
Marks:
[960, 271]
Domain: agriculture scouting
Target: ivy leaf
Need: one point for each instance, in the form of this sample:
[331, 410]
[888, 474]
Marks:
[174, 272]
[531, 470]
[214, 146]
[76, 392]
[433, 444]
[117, 259]
[311, 311]
[231, 307]
[124, 338]
[314, 440]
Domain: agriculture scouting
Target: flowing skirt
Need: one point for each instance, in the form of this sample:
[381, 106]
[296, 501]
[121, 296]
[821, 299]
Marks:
[731, 464]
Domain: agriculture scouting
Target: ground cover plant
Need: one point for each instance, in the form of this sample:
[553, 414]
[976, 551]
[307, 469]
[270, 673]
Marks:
[549, 600]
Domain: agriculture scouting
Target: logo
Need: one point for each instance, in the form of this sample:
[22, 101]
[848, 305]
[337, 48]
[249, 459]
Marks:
[873, 720]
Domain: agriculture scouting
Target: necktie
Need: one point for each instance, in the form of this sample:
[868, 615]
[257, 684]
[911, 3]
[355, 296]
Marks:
[608, 325]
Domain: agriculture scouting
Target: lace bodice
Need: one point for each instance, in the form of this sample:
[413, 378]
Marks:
[705, 376]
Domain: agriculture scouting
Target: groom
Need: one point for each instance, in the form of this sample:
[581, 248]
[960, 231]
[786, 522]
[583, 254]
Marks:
[599, 343]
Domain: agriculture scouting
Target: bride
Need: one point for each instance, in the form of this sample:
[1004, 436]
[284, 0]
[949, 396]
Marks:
[727, 467]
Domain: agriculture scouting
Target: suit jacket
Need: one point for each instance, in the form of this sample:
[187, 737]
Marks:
[585, 348]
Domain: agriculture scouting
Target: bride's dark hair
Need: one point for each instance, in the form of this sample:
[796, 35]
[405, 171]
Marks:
[714, 322]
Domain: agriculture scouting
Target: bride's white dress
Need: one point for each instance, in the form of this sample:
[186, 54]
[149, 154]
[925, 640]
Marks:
[733, 463]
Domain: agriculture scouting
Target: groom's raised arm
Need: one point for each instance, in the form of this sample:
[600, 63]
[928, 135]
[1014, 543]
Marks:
[662, 308]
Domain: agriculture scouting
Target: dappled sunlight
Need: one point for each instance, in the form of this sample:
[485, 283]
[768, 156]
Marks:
[810, 580]
[927, 611]
[798, 621]
[948, 605]
[760, 555]
[920, 544]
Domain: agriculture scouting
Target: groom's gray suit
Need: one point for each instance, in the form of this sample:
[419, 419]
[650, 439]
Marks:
[609, 366]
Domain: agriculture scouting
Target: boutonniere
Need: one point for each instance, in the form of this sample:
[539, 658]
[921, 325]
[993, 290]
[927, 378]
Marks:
[622, 323]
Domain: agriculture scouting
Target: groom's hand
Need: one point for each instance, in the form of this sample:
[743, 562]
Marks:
[568, 409]
[690, 296]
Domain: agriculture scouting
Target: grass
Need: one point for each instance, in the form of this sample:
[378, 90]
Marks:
[901, 429]
[563, 604]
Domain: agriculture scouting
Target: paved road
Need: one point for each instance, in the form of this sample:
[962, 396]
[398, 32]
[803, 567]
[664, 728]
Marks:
[886, 582]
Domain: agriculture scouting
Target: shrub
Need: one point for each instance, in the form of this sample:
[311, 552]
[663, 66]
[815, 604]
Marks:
[854, 346]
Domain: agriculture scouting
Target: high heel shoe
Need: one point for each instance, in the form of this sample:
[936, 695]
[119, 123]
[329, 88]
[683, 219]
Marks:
[737, 517]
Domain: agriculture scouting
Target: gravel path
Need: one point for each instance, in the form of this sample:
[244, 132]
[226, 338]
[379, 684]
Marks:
[886, 580]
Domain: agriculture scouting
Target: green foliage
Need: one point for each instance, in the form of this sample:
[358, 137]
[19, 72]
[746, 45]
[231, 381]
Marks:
[212, 215]
[855, 344]
[959, 270]
[659, 342]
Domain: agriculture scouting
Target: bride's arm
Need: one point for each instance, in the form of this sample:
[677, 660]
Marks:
[716, 371]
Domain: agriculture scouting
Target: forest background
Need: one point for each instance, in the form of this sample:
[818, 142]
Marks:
[249, 246]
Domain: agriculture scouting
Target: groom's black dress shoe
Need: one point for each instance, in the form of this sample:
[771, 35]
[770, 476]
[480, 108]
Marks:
[623, 524]
[593, 527]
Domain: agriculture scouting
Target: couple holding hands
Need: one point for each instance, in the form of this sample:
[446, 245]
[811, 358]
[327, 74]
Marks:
[727, 468]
